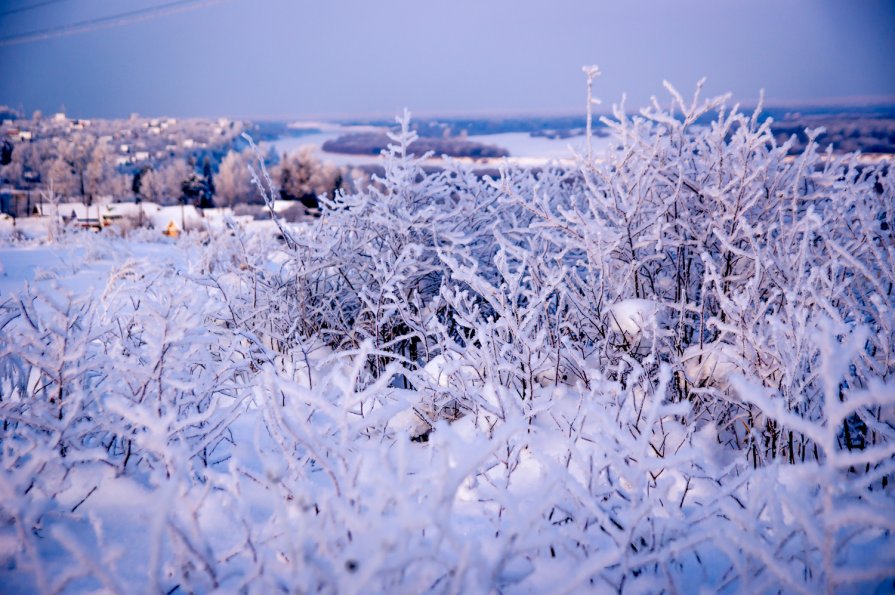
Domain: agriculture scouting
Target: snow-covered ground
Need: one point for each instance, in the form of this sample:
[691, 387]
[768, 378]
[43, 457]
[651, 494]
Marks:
[81, 268]
[450, 384]
[295, 479]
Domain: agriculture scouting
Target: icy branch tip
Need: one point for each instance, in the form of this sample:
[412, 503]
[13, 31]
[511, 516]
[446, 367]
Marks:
[591, 71]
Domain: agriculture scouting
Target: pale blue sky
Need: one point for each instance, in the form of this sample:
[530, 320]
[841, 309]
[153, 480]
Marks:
[331, 58]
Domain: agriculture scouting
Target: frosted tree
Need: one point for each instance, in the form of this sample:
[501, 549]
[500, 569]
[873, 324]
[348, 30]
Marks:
[98, 171]
[302, 176]
[164, 185]
[64, 179]
[233, 182]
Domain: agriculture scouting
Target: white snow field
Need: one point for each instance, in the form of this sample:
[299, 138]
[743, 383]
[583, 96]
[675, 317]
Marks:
[667, 371]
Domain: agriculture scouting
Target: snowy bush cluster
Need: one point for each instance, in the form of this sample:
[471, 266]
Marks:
[667, 369]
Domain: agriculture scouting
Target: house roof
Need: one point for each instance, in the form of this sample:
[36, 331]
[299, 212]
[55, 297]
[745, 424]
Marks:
[111, 210]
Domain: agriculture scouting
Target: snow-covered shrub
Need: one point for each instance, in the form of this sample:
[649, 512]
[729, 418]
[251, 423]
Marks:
[51, 368]
[700, 243]
[664, 369]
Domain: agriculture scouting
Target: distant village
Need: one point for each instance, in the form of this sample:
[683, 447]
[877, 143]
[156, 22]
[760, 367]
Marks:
[163, 173]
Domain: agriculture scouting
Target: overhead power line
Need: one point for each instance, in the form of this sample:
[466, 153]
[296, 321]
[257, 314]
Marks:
[29, 7]
[107, 22]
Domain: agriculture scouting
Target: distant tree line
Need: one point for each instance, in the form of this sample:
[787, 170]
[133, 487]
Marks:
[298, 176]
[847, 133]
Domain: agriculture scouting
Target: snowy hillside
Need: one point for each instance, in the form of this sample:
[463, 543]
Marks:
[666, 370]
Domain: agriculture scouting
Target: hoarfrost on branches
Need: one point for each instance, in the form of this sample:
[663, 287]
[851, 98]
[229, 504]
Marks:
[665, 368]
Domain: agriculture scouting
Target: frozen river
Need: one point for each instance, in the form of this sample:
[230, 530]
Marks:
[524, 149]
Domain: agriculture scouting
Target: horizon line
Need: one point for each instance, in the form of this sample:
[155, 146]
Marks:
[854, 101]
